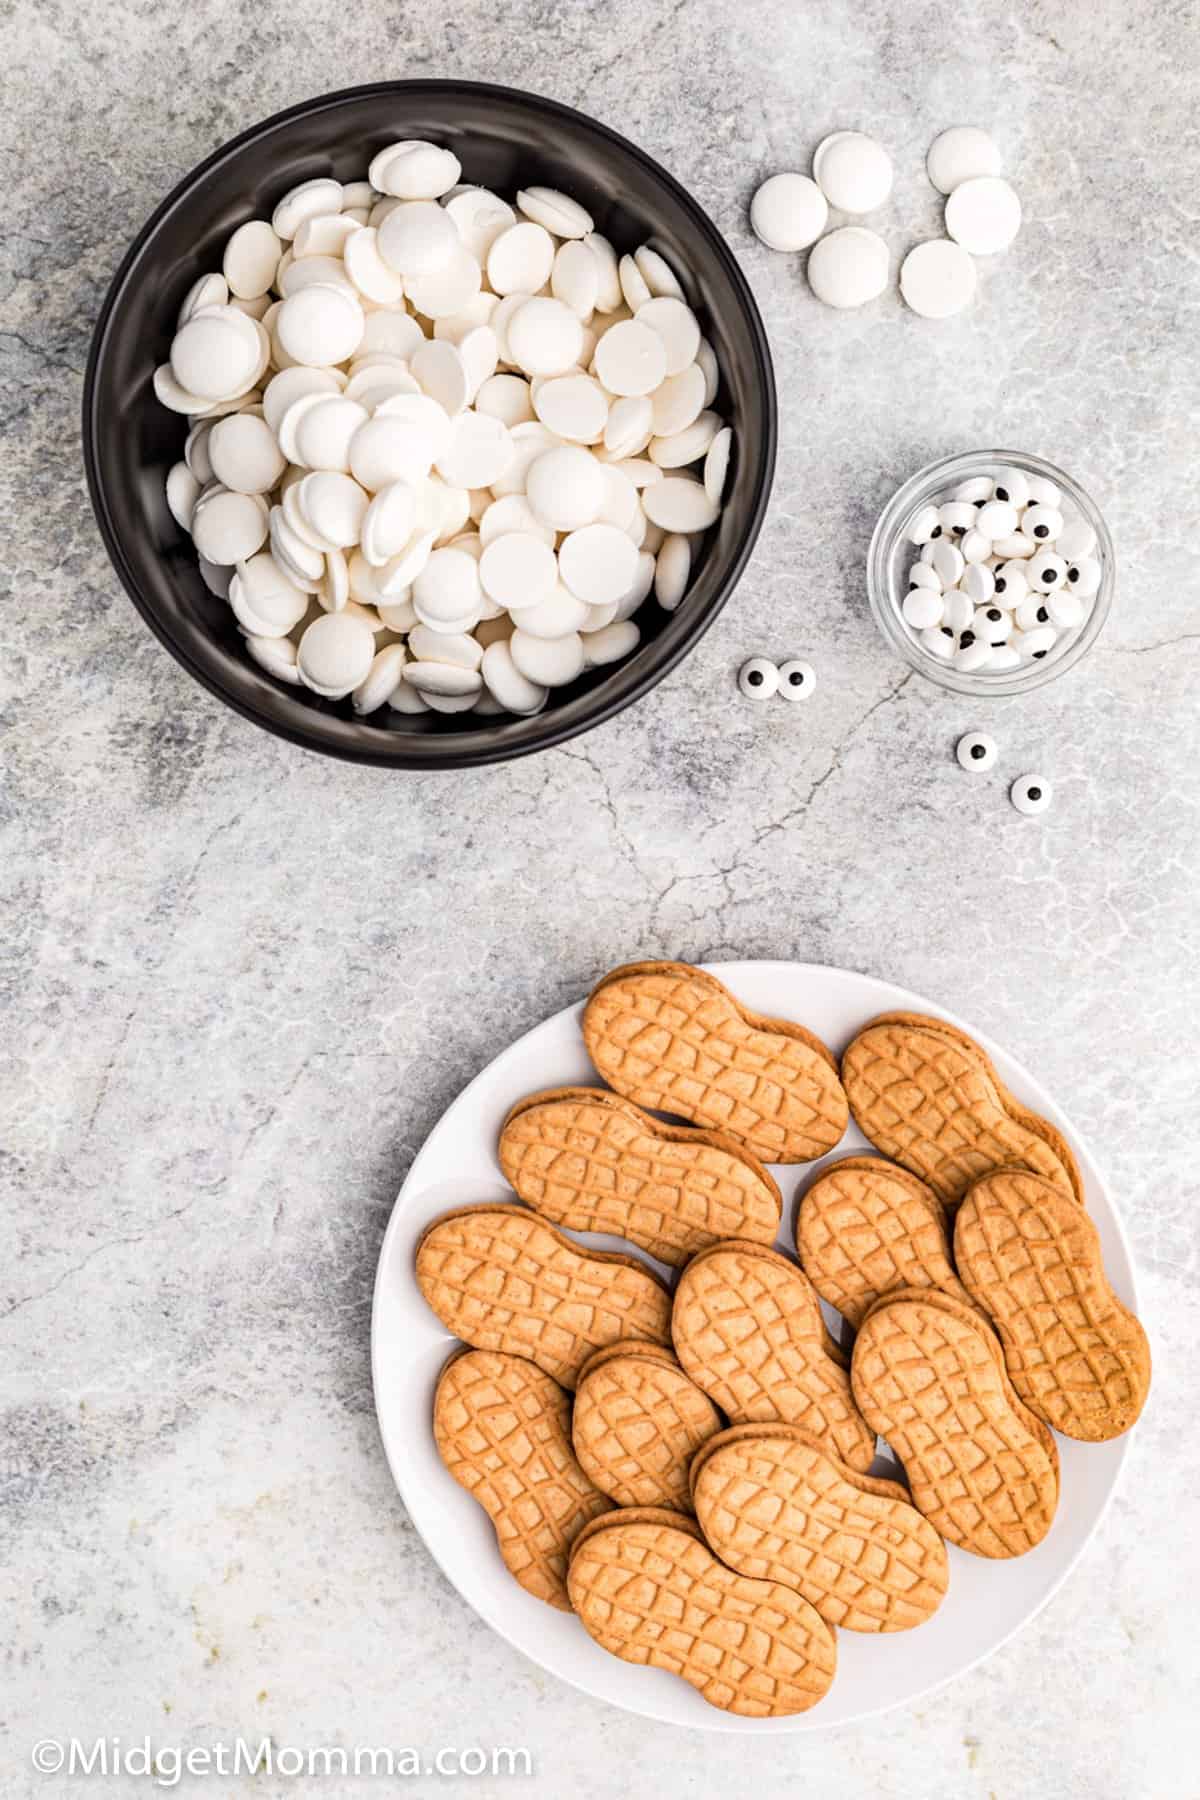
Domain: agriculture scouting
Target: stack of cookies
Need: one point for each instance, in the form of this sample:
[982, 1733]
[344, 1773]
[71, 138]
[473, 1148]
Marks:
[686, 1463]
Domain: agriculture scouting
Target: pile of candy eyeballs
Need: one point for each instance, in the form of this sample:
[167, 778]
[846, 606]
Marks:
[853, 174]
[443, 447]
[1008, 570]
[759, 678]
[1029, 794]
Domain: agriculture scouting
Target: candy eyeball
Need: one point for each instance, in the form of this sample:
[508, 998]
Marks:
[1012, 583]
[991, 625]
[758, 678]
[1042, 523]
[1011, 486]
[1047, 573]
[977, 751]
[796, 679]
[1031, 794]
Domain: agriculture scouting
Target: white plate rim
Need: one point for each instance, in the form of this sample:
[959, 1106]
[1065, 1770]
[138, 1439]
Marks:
[1029, 1090]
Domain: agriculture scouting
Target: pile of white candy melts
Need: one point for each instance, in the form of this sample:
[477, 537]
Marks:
[852, 173]
[1008, 569]
[443, 449]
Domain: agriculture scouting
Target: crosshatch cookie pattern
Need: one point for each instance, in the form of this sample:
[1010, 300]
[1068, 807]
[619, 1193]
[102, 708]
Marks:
[674, 1039]
[929, 1377]
[648, 1590]
[747, 1328]
[638, 1422]
[503, 1430]
[866, 1226]
[591, 1161]
[1031, 1259]
[927, 1096]
[774, 1504]
[500, 1278]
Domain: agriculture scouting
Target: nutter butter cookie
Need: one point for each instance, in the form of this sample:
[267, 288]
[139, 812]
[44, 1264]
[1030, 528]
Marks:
[674, 1038]
[503, 1430]
[1031, 1258]
[638, 1421]
[500, 1278]
[929, 1376]
[927, 1096]
[592, 1161]
[648, 1589]
[747, 1328]
[774, 1503]
[866, 1226]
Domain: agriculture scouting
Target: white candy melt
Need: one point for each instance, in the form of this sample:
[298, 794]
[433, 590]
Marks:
[598, 563]
[335, 655]
[938, 279]
[854, 172]
[789, 212]
[544, 337]
[961, 154]
[983, 215]
[556, 212]
[849, 267]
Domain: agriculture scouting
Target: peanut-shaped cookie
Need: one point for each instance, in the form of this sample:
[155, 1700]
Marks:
[592, 1161]
[929, 1376]
[866, 1226]
[926, 1095]
[775, 1504]
[500, 1278]
[673, 1038]
[638, 1421]
[649, 1590]
[1031, 1259]
[503, 1430]
[748, 1330]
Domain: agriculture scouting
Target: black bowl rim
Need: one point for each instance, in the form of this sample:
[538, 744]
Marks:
[445, 750]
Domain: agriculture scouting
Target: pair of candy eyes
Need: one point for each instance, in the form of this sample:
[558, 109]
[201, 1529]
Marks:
[760, 678]
[1028, 793]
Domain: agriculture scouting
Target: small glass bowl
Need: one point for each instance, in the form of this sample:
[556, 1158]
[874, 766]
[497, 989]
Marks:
[892, 555]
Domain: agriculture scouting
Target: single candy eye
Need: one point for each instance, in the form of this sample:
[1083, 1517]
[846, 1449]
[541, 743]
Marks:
[1046, 572]
[991, 625]
[1013, 582]
[976, 751]
[758, 678]
[1043, 523]
[925, 526]
[796, 679]
[1030, 794]
[1012, 486]
[957, 516]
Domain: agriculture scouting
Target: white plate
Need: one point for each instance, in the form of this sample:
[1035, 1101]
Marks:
[987, 1601]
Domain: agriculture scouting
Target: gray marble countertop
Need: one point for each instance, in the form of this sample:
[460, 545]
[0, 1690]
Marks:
[240, 983]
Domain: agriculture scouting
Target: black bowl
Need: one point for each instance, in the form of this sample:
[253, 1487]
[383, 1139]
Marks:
[505, 140]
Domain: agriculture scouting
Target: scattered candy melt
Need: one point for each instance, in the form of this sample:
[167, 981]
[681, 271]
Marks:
[442, 447]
